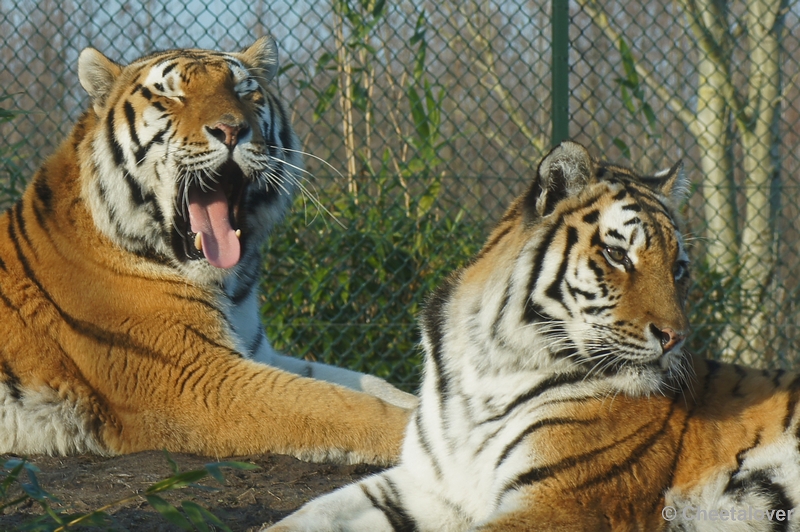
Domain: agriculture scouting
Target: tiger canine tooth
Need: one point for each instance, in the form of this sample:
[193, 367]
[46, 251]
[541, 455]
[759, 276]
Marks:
[238, 233]
[198, 242]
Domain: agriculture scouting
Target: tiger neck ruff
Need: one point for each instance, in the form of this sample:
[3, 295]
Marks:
[129, 275]
[557, 395]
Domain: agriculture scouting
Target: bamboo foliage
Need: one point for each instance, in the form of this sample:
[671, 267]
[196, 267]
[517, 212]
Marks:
[741, 245]
[481, 44]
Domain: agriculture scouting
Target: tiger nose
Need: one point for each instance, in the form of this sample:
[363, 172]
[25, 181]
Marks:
[668, 337]
[229, 134]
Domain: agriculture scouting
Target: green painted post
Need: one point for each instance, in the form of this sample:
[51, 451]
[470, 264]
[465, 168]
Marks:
[560, 71]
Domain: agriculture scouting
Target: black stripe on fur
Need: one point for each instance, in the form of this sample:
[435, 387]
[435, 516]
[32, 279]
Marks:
[398, 518]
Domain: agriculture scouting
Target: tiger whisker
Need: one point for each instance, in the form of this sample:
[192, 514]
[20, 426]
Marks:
[318, 159]
[315, 201]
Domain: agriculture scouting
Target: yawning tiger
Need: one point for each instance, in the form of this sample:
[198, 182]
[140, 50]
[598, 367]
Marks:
[129, 273]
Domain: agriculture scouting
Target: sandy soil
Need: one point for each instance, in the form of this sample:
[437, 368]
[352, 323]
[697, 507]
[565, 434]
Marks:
[249, 499]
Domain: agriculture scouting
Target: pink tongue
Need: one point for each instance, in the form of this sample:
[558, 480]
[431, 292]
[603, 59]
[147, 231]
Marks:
[208, 215]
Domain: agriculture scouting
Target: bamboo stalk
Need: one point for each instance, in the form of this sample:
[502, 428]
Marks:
[345, 71]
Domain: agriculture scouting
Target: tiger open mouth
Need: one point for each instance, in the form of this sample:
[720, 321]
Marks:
[209, 218]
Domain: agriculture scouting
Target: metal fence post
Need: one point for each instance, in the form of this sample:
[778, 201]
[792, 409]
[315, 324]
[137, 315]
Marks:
[560, 70]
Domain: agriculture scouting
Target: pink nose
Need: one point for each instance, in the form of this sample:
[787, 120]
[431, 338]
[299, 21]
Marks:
[668, 337]
[228, 133]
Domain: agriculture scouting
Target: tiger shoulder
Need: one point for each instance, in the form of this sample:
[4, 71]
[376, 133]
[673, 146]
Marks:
[129, 275]
[558, 394]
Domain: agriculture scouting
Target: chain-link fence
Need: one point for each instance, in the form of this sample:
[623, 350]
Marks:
[423, 120]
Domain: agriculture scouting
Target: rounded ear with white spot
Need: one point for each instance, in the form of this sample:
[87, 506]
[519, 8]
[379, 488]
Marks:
[97, 74]
[563, 172]
[263, 55]
[672, 183]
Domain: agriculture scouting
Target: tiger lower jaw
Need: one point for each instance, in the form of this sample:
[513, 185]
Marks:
[634, 375]
[209, 218]
[663, 374]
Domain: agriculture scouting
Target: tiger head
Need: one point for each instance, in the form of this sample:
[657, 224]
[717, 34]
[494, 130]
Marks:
[586, 272]
[192, 159]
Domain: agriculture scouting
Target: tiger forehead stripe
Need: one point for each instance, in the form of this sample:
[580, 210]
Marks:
[168, 68]
[643, 200]
[177, 62]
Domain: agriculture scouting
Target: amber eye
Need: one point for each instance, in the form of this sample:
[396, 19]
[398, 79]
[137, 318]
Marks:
[617, 257]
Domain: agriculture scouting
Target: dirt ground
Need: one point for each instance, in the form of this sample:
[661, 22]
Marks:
[249, 499]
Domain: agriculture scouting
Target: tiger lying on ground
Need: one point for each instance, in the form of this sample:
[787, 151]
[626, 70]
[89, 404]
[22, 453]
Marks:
[557, 395]
[129, 273]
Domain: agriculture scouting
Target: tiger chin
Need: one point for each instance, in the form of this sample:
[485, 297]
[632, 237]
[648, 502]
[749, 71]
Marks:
[557, 395]
[129, 275]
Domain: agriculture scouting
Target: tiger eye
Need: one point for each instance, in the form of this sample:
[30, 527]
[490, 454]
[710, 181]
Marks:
[616, 255]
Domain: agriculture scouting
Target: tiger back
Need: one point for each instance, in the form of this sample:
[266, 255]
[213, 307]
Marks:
[557, 394]
[129, 275]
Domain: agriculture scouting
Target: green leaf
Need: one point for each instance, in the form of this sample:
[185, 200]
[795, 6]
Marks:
[7, 115]
[416, 165]
[434, 114]
[368, 47]
[199, 511]
[178, 481]
[194, 515]
[628, 101]
[419, 61]
[34, 490]
[92, 519]
[360, 97]
[16, 467]
[428, 199]
[325, 99]
[377, 11]
[53, 515]
[651, 118]
[419, 30]
[173, 465]
[628, 62]
[168, 512]
[214, 469]
[619, 143]
[625, 83]
[418, 114]
[428, 155]
[324, 60]
[14, 462]
[304, 84]
[285, 68]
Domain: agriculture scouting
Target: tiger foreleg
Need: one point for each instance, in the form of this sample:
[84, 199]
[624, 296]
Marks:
[391, 501]
[354, 380]
[352, 508]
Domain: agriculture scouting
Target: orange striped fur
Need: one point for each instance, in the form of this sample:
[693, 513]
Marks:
[120, 336]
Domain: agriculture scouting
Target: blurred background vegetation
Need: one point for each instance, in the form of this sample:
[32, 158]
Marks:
[424, 119]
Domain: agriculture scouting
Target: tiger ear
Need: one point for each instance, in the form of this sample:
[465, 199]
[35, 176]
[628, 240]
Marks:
[564, 172]
[263, 55]
[672, 183]
[97, 74]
